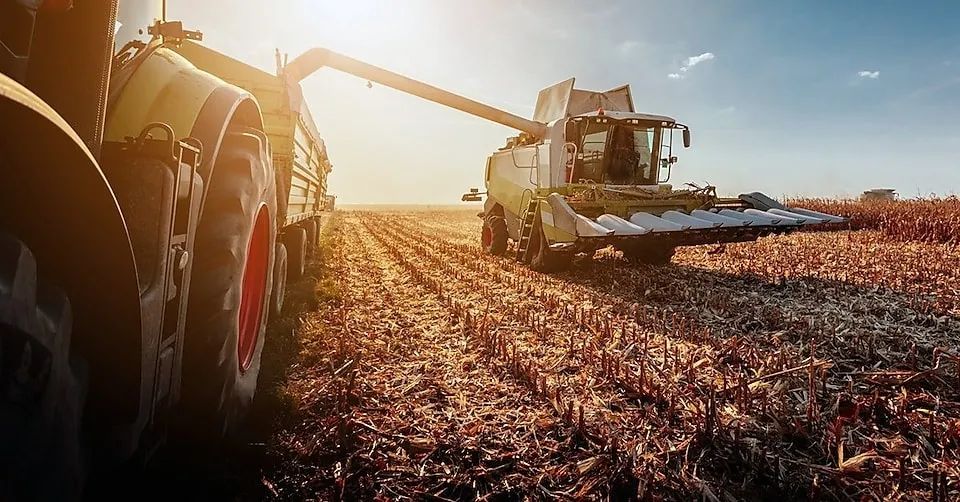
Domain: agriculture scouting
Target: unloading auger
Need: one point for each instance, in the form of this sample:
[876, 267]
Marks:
[589, 171]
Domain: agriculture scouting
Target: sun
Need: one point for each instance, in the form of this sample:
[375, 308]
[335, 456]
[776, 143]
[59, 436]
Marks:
[368, 27]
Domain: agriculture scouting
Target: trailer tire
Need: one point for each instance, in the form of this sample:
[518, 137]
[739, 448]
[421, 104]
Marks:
[279, 281]
[42, 387]
[295, 240]
[545, 259]
[494, 236]
[230, 294]
[311, 227]
[649, 255]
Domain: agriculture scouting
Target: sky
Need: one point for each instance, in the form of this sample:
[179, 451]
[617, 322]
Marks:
[788, 98]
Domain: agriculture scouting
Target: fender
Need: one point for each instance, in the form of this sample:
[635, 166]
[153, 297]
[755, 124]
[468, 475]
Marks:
[168, 88]
[54, 196]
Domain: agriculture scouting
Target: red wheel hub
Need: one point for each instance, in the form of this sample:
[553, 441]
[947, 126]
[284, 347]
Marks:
[486, 235]
[254, 288]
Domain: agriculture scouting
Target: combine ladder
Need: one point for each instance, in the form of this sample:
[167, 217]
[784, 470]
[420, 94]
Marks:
[526, 229]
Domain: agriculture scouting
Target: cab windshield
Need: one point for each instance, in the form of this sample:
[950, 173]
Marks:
[615, 152]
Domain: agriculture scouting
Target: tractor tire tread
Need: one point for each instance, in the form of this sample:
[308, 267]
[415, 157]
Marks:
[43, 386]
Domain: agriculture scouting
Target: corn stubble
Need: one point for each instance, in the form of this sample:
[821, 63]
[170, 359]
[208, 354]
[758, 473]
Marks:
[803, 366]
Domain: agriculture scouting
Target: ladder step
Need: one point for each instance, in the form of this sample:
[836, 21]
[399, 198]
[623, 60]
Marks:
[526, 229]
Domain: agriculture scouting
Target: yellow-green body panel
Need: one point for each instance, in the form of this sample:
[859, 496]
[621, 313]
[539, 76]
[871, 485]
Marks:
[167, 88]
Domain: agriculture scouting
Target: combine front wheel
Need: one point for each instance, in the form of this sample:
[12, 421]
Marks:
[493, 237]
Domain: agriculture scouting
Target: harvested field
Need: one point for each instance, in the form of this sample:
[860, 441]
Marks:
[820, 366]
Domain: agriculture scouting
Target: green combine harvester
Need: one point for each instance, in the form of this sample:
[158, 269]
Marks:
[587, 172]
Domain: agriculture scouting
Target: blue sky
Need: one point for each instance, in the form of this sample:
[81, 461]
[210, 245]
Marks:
[789, 98]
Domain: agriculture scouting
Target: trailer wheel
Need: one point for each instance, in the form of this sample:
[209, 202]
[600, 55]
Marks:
[295, 240]
[230, 291]
[493, 237]
[42, 388]
[311, 227]
[279, 281]
[545, 259]
[649, 254]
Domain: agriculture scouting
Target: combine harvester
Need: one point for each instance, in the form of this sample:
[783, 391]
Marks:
[588, 172]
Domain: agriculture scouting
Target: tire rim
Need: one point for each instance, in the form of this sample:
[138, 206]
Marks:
[486, 236]
[254, 288]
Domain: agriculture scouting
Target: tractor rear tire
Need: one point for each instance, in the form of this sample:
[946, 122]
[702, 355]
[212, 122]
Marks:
[545, 259]
[279, 281]
[494, 236]
[230, 292]
[42, 388]
[649, 255]
[295, 240]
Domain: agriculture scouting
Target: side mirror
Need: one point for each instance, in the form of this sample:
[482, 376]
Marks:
[686, 138]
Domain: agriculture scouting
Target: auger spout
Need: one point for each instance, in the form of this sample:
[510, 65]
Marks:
[314, 59]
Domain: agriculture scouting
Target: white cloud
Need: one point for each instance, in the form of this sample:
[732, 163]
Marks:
[869, 74]
[695, 60]
[690, 62]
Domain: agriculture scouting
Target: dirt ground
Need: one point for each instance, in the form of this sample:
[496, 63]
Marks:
[413, 366]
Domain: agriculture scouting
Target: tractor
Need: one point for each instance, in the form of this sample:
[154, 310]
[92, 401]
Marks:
[155, 197]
